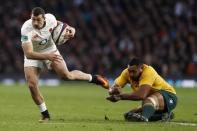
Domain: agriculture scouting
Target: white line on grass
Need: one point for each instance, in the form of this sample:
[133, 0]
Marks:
[69, 123]
[55, 123]
[184, 123]
[177, 123]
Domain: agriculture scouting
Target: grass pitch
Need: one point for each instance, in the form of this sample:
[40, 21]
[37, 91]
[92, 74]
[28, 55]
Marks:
[82, 107]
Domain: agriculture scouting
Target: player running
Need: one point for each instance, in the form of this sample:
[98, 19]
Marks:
[40, 51]
[157, 96]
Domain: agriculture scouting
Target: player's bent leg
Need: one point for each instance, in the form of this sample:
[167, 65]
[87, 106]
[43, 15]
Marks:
[162, 112]
[96, 79]
[150, 105]
[32, 76]
[61, 69]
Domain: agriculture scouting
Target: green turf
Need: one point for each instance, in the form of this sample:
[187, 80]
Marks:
[82, 107]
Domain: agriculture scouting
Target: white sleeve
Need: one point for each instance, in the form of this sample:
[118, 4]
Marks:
[25, 34]
[52, 20]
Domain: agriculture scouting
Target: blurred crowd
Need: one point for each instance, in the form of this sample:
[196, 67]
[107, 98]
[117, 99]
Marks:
[109, 33]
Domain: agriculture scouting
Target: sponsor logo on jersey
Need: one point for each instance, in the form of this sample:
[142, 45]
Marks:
[24, 38]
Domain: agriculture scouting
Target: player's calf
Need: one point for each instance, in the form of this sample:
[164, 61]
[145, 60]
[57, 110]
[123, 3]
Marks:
[35, 93]
[68, 76]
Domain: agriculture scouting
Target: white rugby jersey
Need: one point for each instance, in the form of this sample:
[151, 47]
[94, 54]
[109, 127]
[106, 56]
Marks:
[40, 38]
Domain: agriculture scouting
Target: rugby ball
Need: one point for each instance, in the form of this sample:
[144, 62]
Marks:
[58, 34]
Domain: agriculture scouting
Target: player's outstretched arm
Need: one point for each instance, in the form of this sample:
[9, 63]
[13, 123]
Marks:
[30, 54]
[140, 94]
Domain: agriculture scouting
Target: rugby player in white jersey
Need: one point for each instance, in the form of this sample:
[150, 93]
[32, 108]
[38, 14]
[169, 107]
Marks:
[40, 51]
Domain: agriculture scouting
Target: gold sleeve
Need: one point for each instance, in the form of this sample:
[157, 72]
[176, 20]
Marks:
[122, 79]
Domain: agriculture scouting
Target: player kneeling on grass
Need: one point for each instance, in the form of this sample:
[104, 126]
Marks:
[157, 96]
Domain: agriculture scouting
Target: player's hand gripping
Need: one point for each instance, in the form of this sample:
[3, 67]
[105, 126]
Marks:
[114, 91]
[114, 98]
[53, 56]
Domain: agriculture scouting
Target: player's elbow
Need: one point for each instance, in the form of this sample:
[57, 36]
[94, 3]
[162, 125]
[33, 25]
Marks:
[29, 55]
[142, 97]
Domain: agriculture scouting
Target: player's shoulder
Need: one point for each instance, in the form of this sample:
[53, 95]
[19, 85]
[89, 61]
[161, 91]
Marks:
[125, 72]
[147, 69]
[27, 26]
[50, 17]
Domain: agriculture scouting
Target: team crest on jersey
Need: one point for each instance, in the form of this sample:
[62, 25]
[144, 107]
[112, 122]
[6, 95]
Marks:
[43, 42]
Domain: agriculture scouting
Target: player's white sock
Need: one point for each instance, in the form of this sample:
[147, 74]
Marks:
[42, 107]
[90, 78]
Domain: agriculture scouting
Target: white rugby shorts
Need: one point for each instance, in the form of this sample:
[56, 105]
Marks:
[39, 63]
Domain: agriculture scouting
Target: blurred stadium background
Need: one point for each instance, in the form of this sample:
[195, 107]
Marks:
[110, 32]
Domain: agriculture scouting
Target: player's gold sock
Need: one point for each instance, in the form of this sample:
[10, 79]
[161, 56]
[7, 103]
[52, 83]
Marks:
[148, 110]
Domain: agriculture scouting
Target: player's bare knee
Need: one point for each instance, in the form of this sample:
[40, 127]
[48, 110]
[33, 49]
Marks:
[32, 84]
